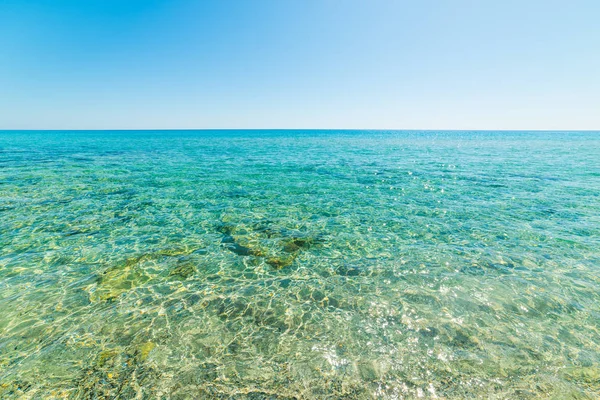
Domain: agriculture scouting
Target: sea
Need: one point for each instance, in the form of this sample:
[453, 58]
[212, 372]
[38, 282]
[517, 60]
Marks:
[299, 264]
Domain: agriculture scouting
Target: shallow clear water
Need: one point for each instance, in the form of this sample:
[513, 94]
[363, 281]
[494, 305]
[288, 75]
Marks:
[299, 264]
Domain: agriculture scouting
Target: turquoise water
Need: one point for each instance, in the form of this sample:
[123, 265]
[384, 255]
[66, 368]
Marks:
[299, 264]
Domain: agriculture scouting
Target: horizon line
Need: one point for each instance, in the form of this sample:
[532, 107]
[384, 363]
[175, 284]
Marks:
[296, 129]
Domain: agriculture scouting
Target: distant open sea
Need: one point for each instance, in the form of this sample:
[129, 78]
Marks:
[299, 264]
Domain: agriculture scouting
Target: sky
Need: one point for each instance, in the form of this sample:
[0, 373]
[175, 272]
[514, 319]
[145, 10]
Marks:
[328, 64]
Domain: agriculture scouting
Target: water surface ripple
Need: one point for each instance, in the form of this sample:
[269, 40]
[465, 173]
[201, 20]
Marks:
[299, 264]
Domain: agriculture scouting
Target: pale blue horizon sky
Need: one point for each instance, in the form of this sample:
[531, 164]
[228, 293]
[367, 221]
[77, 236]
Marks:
[181, 64]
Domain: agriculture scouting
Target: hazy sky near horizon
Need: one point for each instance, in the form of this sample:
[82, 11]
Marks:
[431, 64]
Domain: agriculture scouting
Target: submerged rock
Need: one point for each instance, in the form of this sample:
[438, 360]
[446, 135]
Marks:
[232, 242]
[244, 251]
[267, 231]
[295, 244]
[145, 349]
[464, 341]
[118, 373]
[119, 279]
[280, 262]
[183, 270]
[226, 229]
[106, 356]
[235, 239]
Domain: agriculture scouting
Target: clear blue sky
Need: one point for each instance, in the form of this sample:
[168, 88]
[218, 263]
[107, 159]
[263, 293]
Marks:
[432, 64]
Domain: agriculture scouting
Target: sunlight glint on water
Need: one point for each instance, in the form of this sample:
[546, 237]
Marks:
[290, 264]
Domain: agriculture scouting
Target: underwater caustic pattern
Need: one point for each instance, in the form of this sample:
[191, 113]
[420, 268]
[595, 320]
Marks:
[299, 265]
